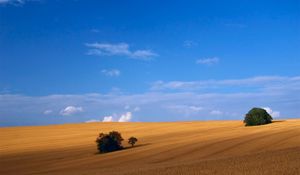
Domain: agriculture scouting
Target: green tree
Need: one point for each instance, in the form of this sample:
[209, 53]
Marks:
[257, 116]
[109, 142]
[132, 141]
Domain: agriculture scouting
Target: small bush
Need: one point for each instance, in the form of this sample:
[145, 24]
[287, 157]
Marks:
[132, 141]
[109, 142]
[257, 116]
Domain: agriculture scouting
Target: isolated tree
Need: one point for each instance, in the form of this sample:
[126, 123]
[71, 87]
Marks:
[257, 116]
[132, 141]
[109, 142]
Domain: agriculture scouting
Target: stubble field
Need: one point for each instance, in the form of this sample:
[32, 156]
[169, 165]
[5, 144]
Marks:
[167, 148]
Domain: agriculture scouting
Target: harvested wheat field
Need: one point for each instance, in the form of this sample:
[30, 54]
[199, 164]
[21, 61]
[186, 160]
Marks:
[173, 148]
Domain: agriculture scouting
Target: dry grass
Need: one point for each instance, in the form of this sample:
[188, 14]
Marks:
[174, 148]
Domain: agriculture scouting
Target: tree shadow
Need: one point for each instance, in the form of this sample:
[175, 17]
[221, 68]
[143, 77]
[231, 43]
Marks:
[278, 121]
[124, 148]
[136, 146]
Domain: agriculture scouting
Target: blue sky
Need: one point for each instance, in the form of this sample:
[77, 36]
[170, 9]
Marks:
[77, 61]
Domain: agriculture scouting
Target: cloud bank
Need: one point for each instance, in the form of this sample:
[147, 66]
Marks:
[181, 102]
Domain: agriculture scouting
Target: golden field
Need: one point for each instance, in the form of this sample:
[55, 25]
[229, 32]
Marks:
[167, 148]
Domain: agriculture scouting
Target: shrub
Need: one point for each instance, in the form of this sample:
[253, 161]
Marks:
[109, 142]
[257, 116]
[132, 141]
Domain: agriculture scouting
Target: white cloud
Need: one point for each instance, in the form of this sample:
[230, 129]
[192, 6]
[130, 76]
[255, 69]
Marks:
[127, 107]
[186, 110]
[195, 108]
[263, 82]
[189, 43]
[208, 61]
[107, 119]
[125, 117]
[70, 110]
[46, 112]
[92, 121]
[216, 112]
[11, 1]
[143, 54]
[15, 2]
[4, 1]
[161, 85]
[274, 114]
[111, 73]
[120, 49]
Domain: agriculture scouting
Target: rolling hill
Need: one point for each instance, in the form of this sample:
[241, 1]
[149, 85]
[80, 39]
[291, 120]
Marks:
[166, 148]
